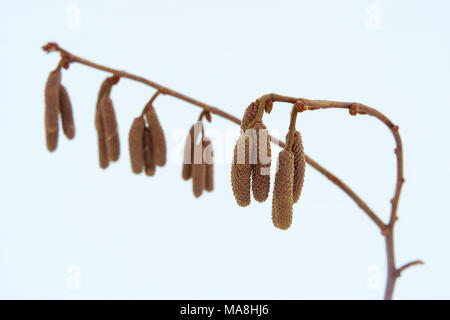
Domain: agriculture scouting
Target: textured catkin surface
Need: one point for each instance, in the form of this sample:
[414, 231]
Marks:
[283, 191]
[102, 152]
[249, 115]
[198, 171]
[149, 158]
[65, 108]
[209, 160]
[299, 166]
[110, 127]
[241, 171]
[136, 144]
[158, 137]
[261, 169]
[52, 109]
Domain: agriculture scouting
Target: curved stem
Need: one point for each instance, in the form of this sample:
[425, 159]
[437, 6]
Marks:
[290, 137]
[354, 109]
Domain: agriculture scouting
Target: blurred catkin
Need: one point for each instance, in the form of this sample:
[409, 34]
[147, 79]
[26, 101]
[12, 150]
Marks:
[102, 151]
[198, 170]
[194, 132]
[283, 191]
[52, 109]
[249, 115]
[299, 165]
[136, 144]
[149, 159]
[110, 127]
[261, 169]
[209, 160]
[65, 107]
[158, 137]
[241, 171]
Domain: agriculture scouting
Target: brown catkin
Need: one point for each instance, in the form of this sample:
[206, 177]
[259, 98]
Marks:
[110, 127]
[136, 144]
[261, 169]
[282, 191]
[149, 158]
[194, 132]
[209, 160]
[249, 115]
[299, 165]
[198, 171]
[52, 109]
[65, 108]
[158, 137]
[241, 171]
[102, 151]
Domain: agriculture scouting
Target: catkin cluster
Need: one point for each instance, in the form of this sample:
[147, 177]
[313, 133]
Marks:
[106, 125]
[198, 162]
[250, 168]
[147, 142]
[57, 104]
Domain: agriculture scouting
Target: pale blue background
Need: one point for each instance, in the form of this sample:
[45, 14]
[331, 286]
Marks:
[138, 237]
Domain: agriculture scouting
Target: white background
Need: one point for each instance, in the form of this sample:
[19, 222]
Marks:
[70, 230]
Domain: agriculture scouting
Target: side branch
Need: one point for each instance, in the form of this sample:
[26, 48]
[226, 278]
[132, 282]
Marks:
[406, 266]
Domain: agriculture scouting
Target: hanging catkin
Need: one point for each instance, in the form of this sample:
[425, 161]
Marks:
[249, 115]
[241, 170]
[136, 144]
[194, 132]
[158, 138]
[283, 191]
[110, 127]
[299, 165]
[52, 109]
[149, 158]
[261, 169]
[209, 160]
[65, 108]
[102, 151]
[198, 170]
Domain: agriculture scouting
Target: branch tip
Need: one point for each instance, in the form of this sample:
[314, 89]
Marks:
[50, 47]
[406, 266]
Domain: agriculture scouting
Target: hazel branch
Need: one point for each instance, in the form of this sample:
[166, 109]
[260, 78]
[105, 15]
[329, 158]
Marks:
[266, 104]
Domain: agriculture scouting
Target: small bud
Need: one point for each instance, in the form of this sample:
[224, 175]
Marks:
[65, 108]
[283, 191]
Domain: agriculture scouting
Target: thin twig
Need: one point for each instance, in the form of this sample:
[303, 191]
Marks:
[406, 266]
